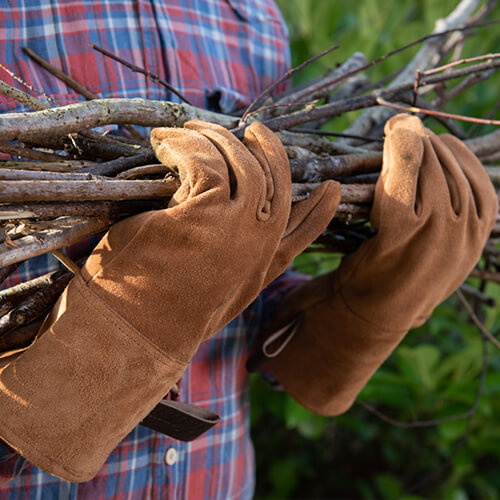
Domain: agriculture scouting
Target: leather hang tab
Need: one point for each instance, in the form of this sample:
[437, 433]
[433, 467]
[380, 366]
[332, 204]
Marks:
[180, 421]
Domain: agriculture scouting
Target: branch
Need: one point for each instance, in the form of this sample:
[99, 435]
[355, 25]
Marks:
[58, 122]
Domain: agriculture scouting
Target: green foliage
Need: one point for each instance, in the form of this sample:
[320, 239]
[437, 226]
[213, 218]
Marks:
[434, 373]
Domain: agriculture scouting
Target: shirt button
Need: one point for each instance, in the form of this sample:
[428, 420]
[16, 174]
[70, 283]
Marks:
[171, 456]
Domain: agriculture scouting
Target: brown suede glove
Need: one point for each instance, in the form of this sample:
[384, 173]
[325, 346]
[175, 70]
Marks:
[157, 285]
[434, 209]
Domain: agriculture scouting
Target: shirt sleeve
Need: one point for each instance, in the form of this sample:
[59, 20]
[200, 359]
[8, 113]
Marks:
[11, 463]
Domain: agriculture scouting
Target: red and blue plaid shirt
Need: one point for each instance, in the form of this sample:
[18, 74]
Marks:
[219, 54]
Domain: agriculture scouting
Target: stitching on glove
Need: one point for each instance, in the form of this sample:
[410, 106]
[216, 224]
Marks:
[125, 327]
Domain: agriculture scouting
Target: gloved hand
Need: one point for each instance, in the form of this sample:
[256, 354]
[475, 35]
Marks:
[434, 209]
[157, 285]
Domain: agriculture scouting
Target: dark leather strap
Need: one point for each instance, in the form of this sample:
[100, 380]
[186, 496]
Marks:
[180, 421]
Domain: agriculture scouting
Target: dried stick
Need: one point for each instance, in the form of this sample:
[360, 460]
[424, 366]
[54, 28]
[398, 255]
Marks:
[35, 305]
[318, 169]
[133, 173]
[7, 174]
[459, 62]
[21, 337]
[476, 320]
[431, 112]
[29, 153]
[285, 77]
[15, 293]
[27, 85]
[421, 60]
[118, 165]
[58, 122]
[47, 211]
[22, 97]
[68, 232]
[337, 108]
[73, 84]
[25, 191]
[66, 261]
[59, 166]
[136, 69]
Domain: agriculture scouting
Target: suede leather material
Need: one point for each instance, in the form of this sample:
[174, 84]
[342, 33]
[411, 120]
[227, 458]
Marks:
[434, 209]
[68, 400]
[157, 285]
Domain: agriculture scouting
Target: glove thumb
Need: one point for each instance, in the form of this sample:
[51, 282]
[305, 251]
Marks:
[308, 219]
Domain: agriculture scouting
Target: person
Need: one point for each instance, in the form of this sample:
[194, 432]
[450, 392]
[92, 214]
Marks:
[179, 296]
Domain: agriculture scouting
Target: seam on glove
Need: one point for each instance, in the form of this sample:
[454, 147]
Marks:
[371, 323]
[127, 329]
[28, 443]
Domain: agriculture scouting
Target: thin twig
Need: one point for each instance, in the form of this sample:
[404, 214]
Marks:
[476, 320]
[73, 84]
[413, 109]
[459, 62]
[136, 69]
[286, 76]
[28, 86]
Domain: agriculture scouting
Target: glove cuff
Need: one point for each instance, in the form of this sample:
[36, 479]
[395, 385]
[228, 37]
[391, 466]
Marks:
[86, 382]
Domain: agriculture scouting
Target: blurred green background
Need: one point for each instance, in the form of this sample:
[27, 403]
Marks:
[436, 371]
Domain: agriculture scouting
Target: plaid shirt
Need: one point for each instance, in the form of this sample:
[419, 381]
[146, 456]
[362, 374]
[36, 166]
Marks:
[219, 54]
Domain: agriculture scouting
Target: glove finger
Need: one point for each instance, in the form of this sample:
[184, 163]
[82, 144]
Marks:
[249, 179]
[308, 219]
[396, 189]
[270, 153]
[459, 189]
[200, 165]
[406, 122]
[433, 193]
[484, 195]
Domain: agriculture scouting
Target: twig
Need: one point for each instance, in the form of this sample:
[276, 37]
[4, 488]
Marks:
[318, 169]
[416, 423]
[58, 122]
[59, 166]
[21, 337]
[478, 295]
[35, 305]
[20, 96]
[69, 263]
[136, 69]
[114, 167]
[144, 170]
[476, 320]
[337, 108]
[286, 76]
[15, 293]
[31, 154]
[7, 174]
[27, 85]
[69, 231]
[25, 191]
[73, 84]
[329, 133]
[459, 62]
[48, 211]
[326, 84]
[468, 82]
[413, 109]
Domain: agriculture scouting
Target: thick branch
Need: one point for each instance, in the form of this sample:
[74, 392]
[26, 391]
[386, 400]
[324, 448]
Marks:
[24, 191]
[56, 122]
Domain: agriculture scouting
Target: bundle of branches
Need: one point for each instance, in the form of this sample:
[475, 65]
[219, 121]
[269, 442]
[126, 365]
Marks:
[61, 181]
